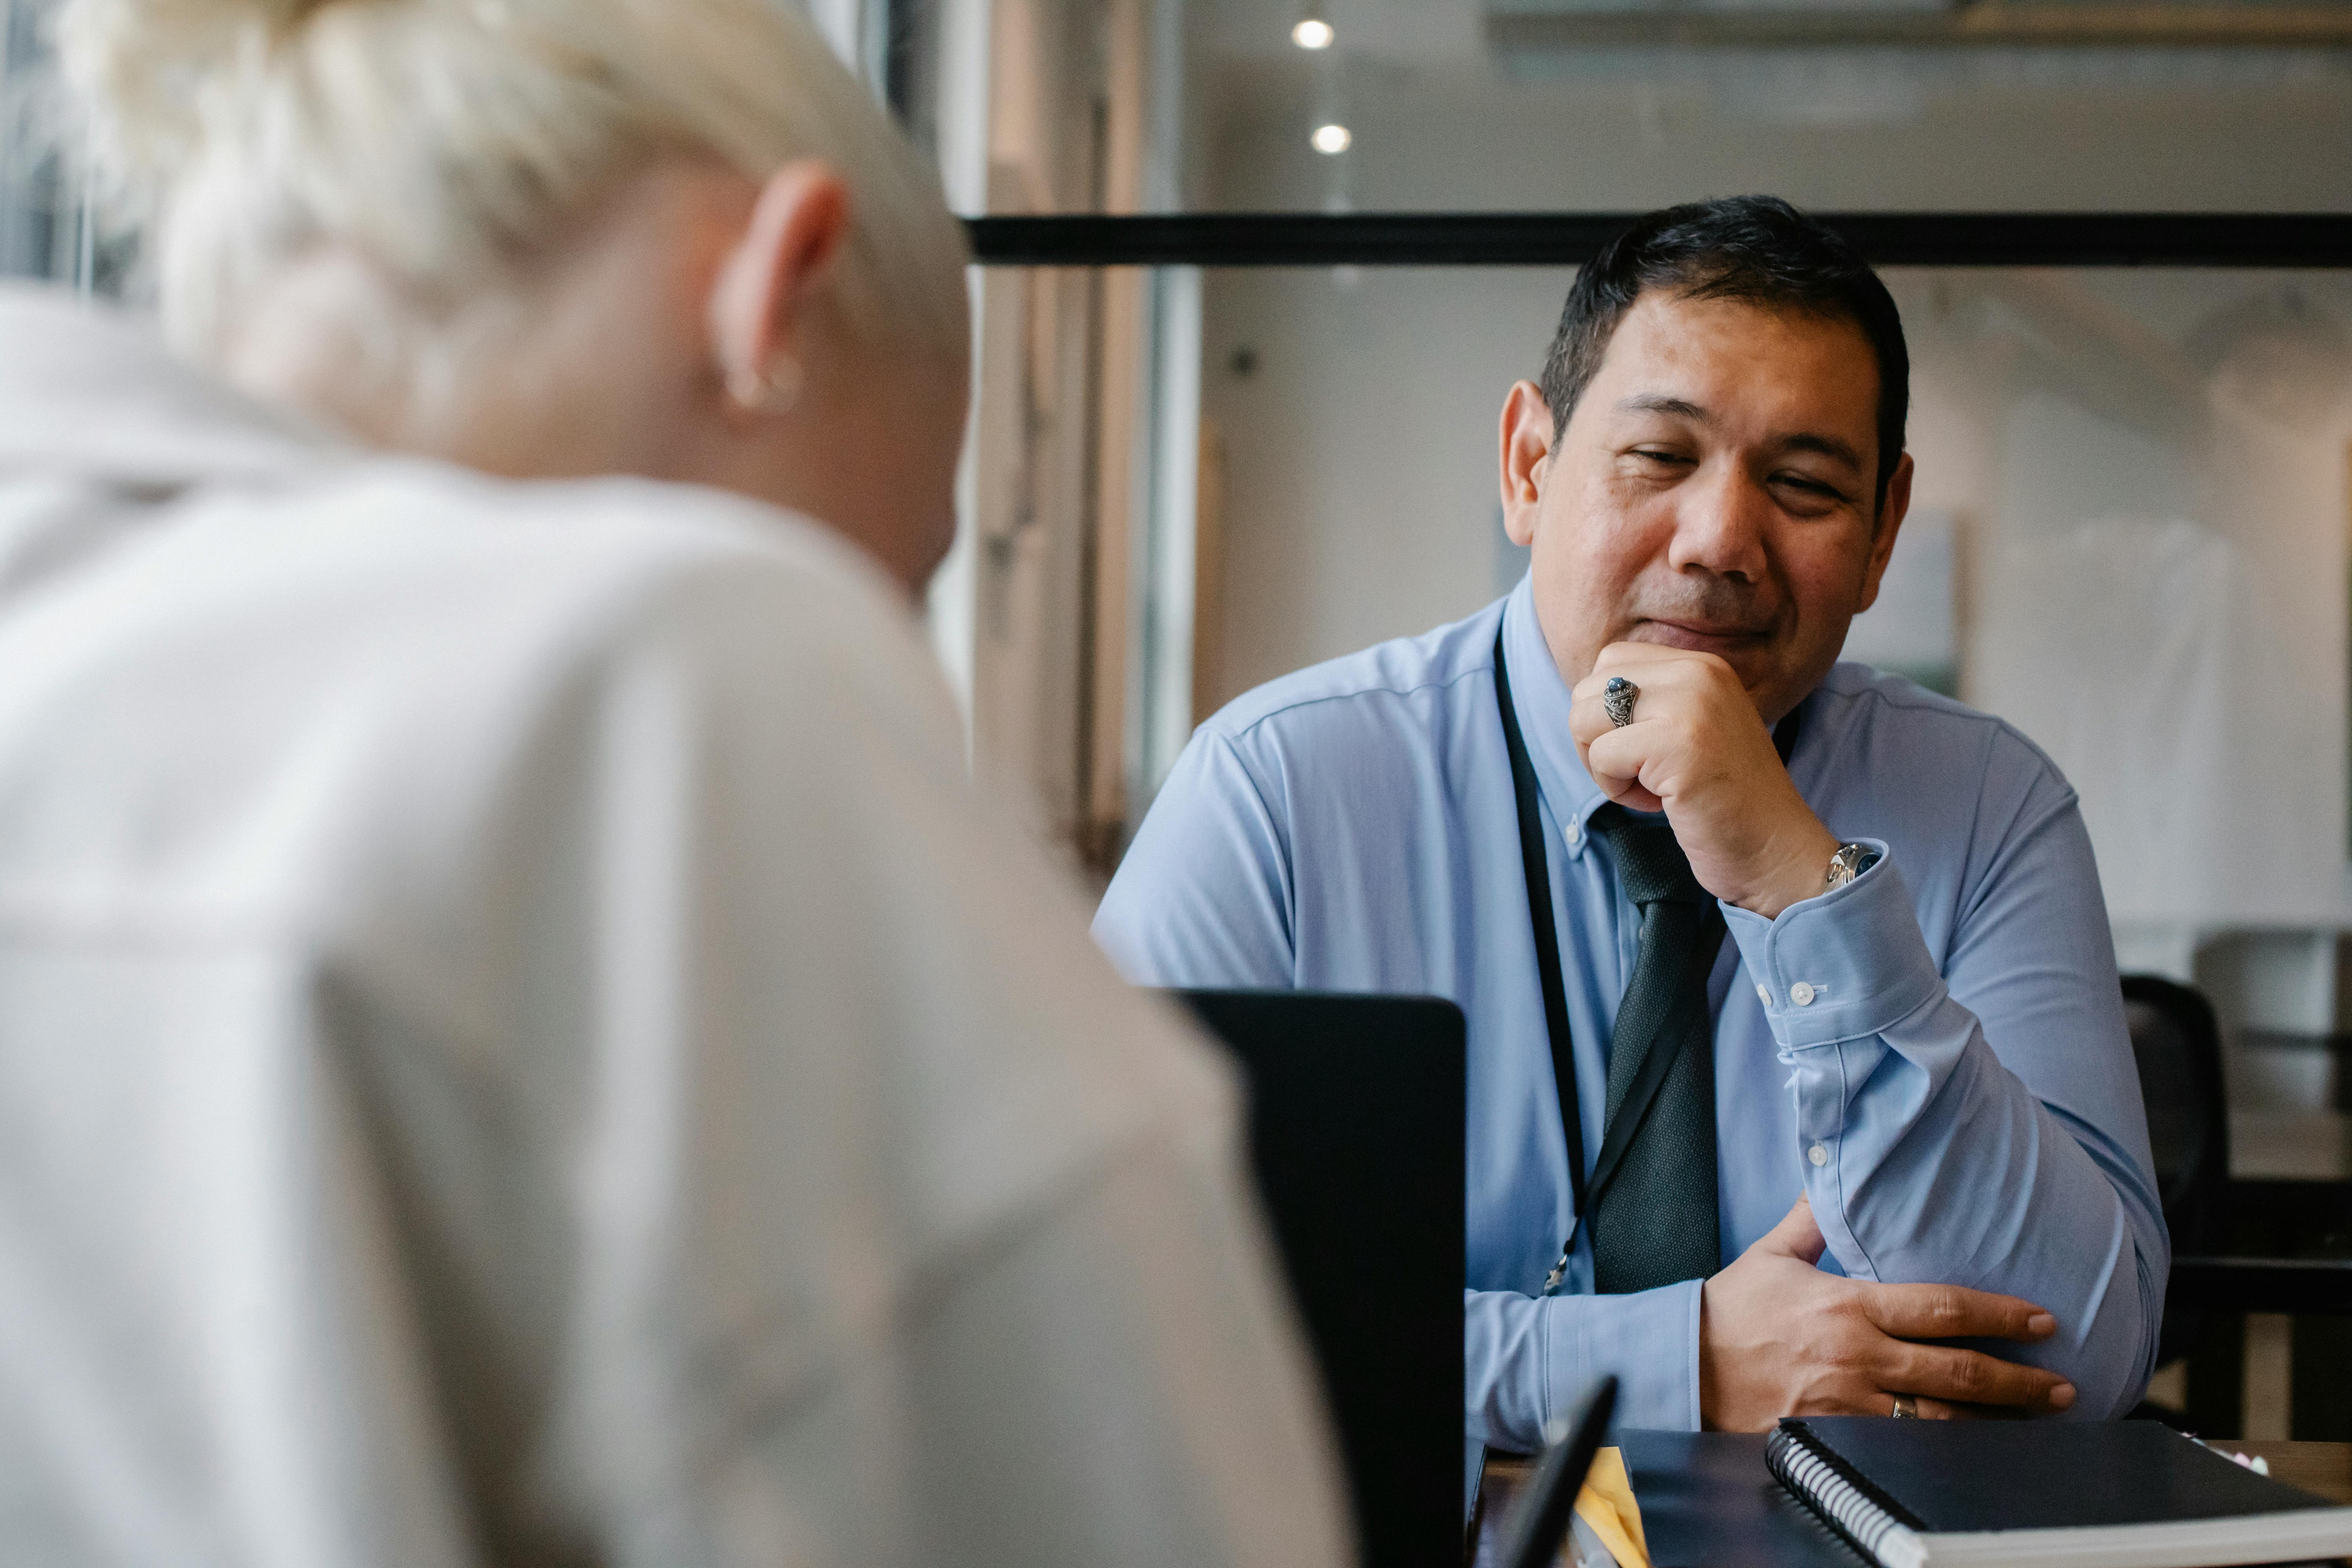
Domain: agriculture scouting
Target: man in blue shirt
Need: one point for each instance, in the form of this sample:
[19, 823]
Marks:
[1898, 1104]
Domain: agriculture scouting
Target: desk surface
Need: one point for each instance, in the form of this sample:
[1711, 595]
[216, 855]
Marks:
[1707, 1499]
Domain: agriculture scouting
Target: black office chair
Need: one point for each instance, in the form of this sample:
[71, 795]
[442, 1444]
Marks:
[2177, 1042]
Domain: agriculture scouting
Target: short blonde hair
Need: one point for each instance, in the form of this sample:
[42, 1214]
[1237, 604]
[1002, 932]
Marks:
[443, 140]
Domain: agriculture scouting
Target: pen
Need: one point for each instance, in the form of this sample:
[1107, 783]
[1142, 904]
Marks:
[1540, 1522]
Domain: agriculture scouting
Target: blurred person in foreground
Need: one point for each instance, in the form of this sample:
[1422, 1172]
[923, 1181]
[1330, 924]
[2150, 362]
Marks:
[517, 1043]
[1828, 1067]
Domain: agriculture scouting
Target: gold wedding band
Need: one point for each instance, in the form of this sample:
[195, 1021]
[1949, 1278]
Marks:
[1905, 1407]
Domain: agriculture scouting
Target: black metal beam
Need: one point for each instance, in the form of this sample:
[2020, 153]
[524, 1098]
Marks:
[1569, 239]
[1988, 24]
[2314, 1286]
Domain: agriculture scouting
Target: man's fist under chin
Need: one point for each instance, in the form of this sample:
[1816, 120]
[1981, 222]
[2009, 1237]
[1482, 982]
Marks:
[1778, 1337]
[1697, 751]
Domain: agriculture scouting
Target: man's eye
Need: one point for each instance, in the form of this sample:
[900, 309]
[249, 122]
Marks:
[1652, 454]
[1810, 487]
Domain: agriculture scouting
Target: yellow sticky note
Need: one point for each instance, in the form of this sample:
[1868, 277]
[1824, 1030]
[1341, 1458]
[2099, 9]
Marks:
[1606, 1503]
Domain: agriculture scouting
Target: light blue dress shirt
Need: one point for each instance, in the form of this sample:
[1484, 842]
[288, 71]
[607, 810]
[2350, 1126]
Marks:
[1934, 1052]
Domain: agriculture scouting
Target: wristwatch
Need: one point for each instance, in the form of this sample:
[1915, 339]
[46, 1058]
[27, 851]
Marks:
[1851, 861]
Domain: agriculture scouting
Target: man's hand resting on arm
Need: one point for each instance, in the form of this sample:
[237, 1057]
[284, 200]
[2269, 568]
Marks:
[1778, 1337]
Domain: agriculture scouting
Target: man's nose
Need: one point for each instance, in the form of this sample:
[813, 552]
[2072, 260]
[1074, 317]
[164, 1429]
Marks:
[1719, 523]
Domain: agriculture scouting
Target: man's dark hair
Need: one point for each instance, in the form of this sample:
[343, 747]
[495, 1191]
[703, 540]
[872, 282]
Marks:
[1757, 251]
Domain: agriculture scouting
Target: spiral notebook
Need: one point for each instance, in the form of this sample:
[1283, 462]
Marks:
[2128, 1494]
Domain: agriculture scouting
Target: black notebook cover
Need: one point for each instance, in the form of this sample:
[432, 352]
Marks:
[1948, 1477]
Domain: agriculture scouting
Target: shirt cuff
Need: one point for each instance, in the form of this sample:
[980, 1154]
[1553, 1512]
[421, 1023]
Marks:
[1843, 966]
[1649, 1339]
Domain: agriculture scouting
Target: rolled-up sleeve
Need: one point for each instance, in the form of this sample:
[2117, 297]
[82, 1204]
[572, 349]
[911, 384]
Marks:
[1979, 1124]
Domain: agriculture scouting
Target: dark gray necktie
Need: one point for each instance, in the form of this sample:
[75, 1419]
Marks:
[1653, 1222]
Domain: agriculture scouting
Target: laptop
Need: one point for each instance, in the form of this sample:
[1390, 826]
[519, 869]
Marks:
[1356, 1109]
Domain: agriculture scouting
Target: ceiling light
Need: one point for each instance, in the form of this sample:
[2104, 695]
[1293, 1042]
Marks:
[1330, 139]
[1314, 33]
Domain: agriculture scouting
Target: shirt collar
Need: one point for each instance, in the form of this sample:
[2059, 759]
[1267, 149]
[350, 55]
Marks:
[1542, 702]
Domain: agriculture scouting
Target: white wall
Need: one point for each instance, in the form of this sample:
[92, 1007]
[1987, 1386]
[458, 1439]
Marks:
[1361, 480]
[2157, 592]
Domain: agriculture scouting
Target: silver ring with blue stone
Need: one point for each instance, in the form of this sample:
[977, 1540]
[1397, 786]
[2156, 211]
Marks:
[1619, 697]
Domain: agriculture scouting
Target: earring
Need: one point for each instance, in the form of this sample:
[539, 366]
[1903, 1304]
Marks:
[770, 391]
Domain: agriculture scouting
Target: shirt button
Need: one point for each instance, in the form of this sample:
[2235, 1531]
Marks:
[1818, 1156]
[1764, 995]
[1802, 995]
[1575, 833]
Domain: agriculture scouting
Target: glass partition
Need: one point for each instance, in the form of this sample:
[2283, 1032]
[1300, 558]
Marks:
[2128, 536]
[42, 233]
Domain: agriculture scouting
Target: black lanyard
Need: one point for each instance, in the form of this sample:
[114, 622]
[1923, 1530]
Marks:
[1538, 867]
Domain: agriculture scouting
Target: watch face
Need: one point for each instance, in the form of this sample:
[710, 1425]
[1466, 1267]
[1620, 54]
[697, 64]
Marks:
[1851, 861]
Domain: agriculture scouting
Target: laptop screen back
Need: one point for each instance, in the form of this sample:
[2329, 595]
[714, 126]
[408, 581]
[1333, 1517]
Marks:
[1356, 1128]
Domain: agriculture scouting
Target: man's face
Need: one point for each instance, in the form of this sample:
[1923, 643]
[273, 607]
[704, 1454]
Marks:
[1714, 489]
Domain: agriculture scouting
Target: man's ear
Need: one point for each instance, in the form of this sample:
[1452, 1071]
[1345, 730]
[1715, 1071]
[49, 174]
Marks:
[1526, 445]
[1891, 513]
[759, 301]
